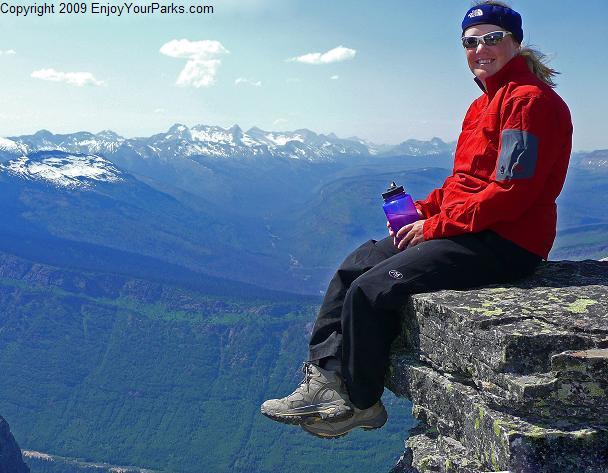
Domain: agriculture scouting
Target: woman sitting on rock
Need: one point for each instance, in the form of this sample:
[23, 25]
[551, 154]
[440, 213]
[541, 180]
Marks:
[493, 220]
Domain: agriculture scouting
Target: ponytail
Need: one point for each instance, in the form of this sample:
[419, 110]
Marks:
[538, 64]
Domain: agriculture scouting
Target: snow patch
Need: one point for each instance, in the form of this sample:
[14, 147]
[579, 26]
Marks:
[212, 134]
[68, 171]
[9, 146]
[38, 455]
[282, 140]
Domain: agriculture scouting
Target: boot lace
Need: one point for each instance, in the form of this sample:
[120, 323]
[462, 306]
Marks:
[307, 370]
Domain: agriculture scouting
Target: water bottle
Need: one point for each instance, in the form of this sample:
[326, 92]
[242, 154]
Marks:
[398, 207]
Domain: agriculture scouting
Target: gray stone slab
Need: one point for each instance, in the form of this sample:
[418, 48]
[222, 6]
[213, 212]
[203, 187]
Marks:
[513, 328]
[498, 440]
[432, 452]
[592, 363]
[513, 377]
[547, 396]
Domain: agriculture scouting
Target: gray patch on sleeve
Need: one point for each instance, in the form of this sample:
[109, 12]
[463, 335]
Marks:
[518, 155]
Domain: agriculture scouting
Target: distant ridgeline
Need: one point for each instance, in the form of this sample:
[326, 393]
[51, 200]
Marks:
[185, 195]
[509, 377]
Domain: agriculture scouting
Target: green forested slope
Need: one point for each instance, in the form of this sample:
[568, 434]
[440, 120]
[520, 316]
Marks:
[163, 377]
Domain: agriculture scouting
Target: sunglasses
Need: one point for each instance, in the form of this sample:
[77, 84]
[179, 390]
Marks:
[489, 39]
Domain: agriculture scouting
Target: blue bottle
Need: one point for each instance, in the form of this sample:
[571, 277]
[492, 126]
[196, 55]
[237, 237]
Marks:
[398, 207]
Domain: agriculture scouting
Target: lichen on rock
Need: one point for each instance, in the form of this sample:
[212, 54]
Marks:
[511, 377]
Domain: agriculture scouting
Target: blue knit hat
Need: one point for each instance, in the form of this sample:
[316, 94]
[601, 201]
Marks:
[504, 17]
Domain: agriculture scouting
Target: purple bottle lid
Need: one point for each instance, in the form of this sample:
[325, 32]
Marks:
[392, 191]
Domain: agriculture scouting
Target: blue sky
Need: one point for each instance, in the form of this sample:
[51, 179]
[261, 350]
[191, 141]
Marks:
[399, 72]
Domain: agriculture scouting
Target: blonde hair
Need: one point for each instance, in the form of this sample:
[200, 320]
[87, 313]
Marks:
[537, 61]
[538, 64]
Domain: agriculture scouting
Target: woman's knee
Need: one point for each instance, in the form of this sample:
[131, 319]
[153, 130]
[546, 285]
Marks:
[355, 257]
[365, 256]
[368, 288]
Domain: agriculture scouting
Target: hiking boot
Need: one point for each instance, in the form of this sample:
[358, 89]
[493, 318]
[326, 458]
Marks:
[322, 395]
[368, 419]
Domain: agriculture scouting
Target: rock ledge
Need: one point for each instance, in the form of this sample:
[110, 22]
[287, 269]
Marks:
[508, 377]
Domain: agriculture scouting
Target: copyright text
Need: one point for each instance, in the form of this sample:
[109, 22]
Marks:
[103, 9]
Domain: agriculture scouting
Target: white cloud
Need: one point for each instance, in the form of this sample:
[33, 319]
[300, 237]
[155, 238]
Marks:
[336, 77]
[242, 80]
[160, 110]
[78, 79]
[202, 65]
[293, 80]
[7, 52]
[280, 121]
[198, 73]
[333, 55]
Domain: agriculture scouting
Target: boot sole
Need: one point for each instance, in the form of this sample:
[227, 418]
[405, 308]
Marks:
[336, 436]
[370, 424]
[298, 416]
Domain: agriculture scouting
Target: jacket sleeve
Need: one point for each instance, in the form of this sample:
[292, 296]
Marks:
[528, 147]
[432, 204]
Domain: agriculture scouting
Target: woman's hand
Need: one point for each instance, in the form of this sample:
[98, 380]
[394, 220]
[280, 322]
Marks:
[412, 235]
[390, 231]
[409, 235]
[392, 234]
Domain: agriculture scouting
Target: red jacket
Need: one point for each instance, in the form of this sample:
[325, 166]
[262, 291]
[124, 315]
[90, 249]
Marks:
[510, 164]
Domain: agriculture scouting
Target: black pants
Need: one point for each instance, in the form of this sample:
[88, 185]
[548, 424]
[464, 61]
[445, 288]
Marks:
[358, 319]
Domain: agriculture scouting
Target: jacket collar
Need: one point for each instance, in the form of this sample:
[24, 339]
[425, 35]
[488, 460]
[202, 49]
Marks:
[515, 66]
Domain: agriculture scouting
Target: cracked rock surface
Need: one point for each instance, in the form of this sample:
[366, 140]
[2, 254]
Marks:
[508, 377]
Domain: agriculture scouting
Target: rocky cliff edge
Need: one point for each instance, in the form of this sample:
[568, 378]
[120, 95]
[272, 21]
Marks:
[10, 454]
[508, 377]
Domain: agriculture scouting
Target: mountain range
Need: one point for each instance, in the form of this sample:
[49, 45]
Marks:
[188, 195]
[216, 142]
[283, 206]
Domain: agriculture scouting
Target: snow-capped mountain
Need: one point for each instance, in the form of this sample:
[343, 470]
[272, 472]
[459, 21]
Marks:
[62, 169]
[217, 142]
[201, 159]
[81, 142]
[9, 146]
[208, 141]
[595, 160]
[10, 149]
[423, 148]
